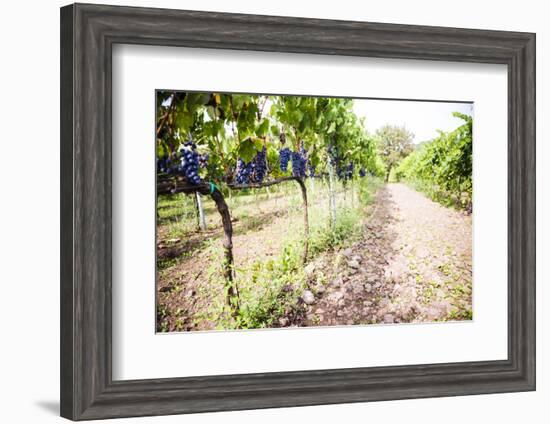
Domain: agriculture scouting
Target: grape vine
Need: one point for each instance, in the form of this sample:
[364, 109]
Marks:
[299, 160]
[442, 167]
[243, 172]
[190, 163]
[284, 157]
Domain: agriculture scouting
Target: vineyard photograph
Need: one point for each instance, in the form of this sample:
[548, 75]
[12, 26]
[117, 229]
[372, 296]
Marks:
[279, 211]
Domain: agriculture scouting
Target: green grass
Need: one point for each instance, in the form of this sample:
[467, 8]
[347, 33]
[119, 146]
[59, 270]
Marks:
[445, 198]
[323, 238]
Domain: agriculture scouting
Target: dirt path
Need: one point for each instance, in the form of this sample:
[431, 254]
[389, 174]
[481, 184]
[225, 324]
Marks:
[413, 264]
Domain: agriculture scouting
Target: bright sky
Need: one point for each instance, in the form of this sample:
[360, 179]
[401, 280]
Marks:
[423, 119]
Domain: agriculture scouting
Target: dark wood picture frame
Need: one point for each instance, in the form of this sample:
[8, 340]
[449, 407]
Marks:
[88, 33]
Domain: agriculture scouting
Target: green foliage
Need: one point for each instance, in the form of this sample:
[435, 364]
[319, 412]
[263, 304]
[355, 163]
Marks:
[368, 188]
[232, 126]
[323, 238]
[443, 167]
[340, 127]
[348, 219]
[271, 290]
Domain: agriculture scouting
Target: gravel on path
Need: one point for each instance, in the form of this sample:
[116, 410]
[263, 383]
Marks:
[413, 264]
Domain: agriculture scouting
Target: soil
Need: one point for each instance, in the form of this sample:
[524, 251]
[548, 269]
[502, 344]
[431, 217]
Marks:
[412, 264]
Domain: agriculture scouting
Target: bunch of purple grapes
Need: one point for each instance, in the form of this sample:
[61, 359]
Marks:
[334, 157]
[253, 171]
[190, 163]
[343, 172]
[259, 166]
[243, 172]
[299, 161]
[284, 158]
[340, 170]
[362, 173]
[348, 173]
[164, 165]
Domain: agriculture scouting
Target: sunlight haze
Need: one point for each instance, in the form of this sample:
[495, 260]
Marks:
[423, 119]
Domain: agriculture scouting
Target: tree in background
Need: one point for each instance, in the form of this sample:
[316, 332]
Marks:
[394, 143]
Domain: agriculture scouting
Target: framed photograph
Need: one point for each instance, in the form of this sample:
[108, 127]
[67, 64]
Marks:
[264, 211]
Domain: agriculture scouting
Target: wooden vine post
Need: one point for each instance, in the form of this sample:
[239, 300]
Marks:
[179, 185]
[332, 196]
[232, 297]
[302, 185]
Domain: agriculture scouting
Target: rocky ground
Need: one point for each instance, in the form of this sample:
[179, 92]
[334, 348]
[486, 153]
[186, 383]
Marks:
[412, 264]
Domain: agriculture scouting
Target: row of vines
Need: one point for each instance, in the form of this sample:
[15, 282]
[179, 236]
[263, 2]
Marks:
[442, 168]
[213, 143]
